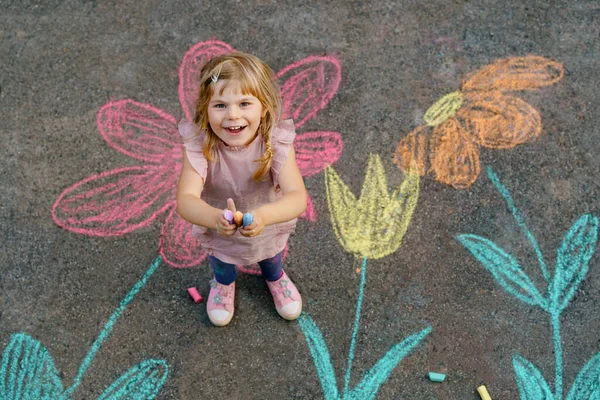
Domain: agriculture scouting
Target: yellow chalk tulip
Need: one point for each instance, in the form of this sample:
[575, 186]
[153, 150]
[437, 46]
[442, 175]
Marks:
[372, 226]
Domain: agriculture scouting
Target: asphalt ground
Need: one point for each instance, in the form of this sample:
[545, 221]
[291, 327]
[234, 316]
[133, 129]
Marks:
[61, 62]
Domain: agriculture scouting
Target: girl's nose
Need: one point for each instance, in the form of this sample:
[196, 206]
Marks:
[233, 112]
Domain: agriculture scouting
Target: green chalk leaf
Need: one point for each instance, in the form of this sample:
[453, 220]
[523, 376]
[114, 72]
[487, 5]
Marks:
[505, 269]
[587, 383]
[141, 382]
[572, 259]
[531, 383]
[376, 376]
[27, 371]
[320, 354]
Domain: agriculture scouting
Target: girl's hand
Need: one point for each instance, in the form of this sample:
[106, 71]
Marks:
[223, 227]
[256, 227]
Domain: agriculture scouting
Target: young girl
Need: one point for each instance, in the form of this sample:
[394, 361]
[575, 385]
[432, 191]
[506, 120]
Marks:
[238, 155]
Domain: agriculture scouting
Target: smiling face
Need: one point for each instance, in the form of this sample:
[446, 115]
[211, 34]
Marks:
[234, 116]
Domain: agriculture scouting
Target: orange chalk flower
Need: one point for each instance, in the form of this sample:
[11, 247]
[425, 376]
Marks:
[481, 113]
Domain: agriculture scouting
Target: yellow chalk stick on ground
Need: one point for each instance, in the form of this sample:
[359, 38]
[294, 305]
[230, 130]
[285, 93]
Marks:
[483, 393]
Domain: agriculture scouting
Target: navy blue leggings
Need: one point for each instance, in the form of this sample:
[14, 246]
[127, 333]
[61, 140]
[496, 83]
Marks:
[271, 268]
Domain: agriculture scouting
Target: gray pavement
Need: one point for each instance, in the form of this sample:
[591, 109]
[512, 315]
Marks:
[62, 61]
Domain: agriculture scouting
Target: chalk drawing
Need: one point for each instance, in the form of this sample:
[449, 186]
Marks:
[571, 266]
[125, 199]
[28, 372]
[481, 113]
[370, 227]
[374, 225]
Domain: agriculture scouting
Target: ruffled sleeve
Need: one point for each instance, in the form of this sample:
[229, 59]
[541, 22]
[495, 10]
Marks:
[282, 139]
[193, 141]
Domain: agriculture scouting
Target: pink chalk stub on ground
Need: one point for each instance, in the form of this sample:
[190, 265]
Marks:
[195, 295]
[228, 215]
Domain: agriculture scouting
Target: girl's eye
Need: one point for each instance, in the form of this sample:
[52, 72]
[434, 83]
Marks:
[220, 105]
[245, 104]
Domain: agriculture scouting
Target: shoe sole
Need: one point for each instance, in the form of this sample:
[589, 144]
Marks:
[293, 316]
[221, 323]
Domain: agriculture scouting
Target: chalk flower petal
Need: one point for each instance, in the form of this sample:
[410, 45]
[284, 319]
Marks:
[374, 225]
[499, 121]
[515, 73]
[453, 156]
[116, 202]
[342, 207]
[308, 85]
[310, 213]
[317, 150]
[443, 109]
[138, 130]
[178, 245]
[412, 152]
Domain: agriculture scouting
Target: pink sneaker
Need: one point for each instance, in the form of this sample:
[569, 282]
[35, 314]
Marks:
[220, 303]
[288, 301]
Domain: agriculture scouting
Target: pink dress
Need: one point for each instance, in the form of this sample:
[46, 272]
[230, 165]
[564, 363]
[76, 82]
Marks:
[231, 177]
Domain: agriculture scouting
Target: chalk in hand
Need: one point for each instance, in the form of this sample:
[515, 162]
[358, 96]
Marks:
[228, 215]
[238, 217]
[483, 393]
[436, 377]
[247, 219]
[195, 295]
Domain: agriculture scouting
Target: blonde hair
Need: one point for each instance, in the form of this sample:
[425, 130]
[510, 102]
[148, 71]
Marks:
[255, 78]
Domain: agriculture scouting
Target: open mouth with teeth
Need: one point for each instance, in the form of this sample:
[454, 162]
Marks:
[235, 130]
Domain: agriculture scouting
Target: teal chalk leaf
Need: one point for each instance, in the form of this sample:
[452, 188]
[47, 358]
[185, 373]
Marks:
[27, 371]
[141, 382]
[572, 259]
[376, 376]
[320, 354]
[587, 383]
[531, 383]
[505, 269]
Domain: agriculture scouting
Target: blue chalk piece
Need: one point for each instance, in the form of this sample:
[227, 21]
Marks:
[247, 219]
[436, 377]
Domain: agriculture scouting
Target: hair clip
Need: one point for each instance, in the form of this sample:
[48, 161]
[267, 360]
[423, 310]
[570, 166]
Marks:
[214, 78]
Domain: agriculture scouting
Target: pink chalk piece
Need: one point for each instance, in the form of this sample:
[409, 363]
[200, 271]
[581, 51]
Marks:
[195, 295]
[228, 215]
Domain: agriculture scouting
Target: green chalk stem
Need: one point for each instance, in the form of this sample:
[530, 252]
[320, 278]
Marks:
[361, 293]
[108, 327]
[520, 221]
